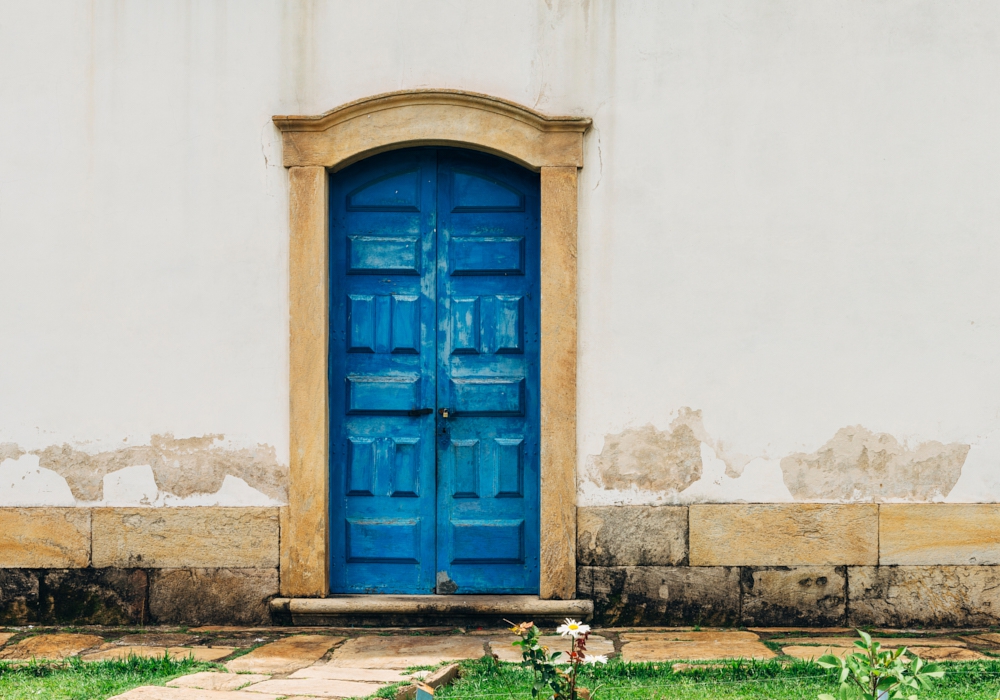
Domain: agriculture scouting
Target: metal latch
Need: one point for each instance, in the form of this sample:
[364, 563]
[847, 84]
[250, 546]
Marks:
[443, 412]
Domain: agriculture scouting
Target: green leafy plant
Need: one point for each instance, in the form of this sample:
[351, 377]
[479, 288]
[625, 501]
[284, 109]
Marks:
[877, 674]
[552, 676]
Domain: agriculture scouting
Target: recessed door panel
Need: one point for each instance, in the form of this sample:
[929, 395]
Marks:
[434, 273]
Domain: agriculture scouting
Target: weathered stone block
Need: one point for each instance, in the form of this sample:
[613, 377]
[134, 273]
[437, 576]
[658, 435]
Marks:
[18, 596]
[41, 538]
[93, 597]
[205, 537]
[792, 534]
[207, 596]
[662, 595]
[939, 534]
[631, 535]
[793, 596]
[932, 596]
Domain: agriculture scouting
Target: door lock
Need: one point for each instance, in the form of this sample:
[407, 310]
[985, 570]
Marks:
[444, 412]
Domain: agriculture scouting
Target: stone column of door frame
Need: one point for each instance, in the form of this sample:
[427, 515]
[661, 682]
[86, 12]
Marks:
[311, 145]
[304, 562]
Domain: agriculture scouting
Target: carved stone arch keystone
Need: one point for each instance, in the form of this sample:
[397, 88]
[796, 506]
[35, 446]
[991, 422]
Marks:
[313, 146]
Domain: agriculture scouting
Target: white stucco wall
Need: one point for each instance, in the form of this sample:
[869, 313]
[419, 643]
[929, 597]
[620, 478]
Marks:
[789, 222]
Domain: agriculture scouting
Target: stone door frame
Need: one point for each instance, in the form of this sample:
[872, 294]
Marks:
[312, 146]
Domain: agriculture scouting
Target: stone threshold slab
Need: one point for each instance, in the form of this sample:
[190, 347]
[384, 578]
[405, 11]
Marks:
[520, 606]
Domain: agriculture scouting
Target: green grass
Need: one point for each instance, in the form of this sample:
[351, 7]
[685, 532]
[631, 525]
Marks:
[760, 680]
[76, 680]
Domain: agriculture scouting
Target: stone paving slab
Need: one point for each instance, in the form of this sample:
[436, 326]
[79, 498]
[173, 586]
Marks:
[51, 646]
[214, 680]
[660, 650]
[947, 654]
[886, 642]
[505, 650]
[938, 653]
[806, 630]
[402, 652]
[158, 639]
[285, 655]
[643, 636]
[316, 687]
[157, 692]
[110, 652]
[330, 672]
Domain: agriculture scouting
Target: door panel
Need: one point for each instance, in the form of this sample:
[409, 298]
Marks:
[487, 286]
[382, 356]
[434, 305]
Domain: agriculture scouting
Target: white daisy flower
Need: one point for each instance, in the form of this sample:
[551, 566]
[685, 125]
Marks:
[572, 628]
[595, 659]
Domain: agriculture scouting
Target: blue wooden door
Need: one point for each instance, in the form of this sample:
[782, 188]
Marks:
[434, 374]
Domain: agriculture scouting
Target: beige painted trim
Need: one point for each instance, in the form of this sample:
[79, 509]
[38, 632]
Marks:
[330, 141]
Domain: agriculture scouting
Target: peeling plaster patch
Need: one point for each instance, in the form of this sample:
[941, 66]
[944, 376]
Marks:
[859, 465]
[651, 460]
[10, 450]
[233, 492]
[131, 486]
[980, 480]
[760, 482]
[182, 467]
[24, 483]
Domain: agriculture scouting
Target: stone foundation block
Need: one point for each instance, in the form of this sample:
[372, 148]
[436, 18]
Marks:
[662, 595]
[212, 596]
[794, 596]
[41, 538]
[785, 534]
[201, 537]
[939, 534]
[931, 596]
[93, 597]
[631, 535]
[18, 596]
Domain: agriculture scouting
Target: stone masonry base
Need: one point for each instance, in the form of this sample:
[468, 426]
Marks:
[885, 596]
[112, 596]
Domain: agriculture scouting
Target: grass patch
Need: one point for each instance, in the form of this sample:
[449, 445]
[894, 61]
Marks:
[75, 680]
[750, 680]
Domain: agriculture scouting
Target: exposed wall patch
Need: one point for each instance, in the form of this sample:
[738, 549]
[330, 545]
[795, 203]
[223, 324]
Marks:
[181, 466]
[859, 465]
[650, 459]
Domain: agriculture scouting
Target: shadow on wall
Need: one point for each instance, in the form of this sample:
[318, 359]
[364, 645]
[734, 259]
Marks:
[683, 464]
[168, 471]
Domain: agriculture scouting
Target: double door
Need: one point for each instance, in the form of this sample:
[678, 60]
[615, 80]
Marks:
[434, 374]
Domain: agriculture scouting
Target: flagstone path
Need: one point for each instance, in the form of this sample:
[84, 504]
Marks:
[309, 662]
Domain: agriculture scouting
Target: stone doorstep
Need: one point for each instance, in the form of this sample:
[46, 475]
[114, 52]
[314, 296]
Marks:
[427, 605]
